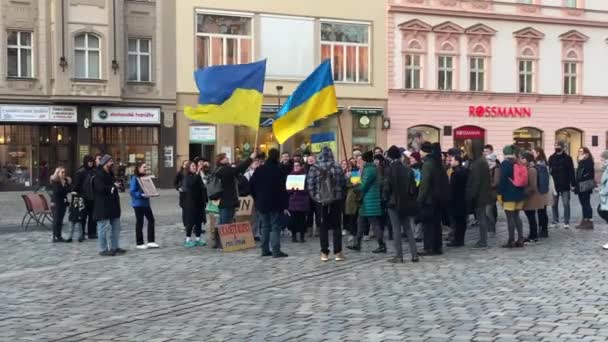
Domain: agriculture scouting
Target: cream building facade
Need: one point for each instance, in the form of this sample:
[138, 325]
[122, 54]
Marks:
[294, 37]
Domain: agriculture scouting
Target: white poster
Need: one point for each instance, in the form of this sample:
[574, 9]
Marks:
[125, 115]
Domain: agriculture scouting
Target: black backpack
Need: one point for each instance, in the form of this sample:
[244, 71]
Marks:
[326, 184]
[88, 189]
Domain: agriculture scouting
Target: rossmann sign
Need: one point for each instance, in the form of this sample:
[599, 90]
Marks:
[499, 112]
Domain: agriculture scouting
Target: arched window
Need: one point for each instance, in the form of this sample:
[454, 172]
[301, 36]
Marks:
[527, 138]
[87, 56]
[416, 135]
[572, 139]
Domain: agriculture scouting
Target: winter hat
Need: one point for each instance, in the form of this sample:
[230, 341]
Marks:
[416, 156]
[509, 150]
[454, 152]
[368, 156]
[105, 159]
[604, 155]
[426, 147]
[393, 152]
[527, 156]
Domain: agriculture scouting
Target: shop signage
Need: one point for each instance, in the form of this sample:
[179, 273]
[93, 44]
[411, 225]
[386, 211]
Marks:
[202, 134]
[364, 121]
[13, 113]
[367, 110]
[469, 132]
[126, 115]
[499, 112]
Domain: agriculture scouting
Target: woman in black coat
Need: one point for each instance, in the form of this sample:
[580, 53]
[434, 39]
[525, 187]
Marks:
[585, 182]
[457, 207]
[60, 187]
[195, 201]
[177, 183]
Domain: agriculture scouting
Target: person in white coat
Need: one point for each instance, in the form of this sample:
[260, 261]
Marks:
[602, 209]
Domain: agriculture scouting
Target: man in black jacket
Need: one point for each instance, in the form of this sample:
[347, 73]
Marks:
[562, 171]
[87, 168]
[229, 200]
[401, 193]
[106, 210]
[268, 191]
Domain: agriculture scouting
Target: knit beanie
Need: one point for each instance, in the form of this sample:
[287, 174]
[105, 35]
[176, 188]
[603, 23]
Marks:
[509, 150]
[105, 159]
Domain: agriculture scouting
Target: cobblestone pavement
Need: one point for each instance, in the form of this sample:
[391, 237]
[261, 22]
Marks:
[552, 291]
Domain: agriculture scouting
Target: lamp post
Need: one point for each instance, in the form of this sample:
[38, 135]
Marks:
[279, 92]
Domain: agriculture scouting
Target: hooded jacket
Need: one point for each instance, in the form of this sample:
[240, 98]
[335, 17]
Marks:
[81, 174]
[479, 183]
[107, 201]
[325, 161]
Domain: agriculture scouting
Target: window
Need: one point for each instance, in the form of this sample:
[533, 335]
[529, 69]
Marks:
[223, 40]
[87, 61]
[526, 76]
[347, 46]
[412, 71]
[446, 73]
[139, 60]
[477, 74]
[570, 78]
[529, 2]
[19, 54]
[571, 3]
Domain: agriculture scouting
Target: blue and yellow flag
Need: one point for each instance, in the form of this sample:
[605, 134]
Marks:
[314, 99]
[230, 94]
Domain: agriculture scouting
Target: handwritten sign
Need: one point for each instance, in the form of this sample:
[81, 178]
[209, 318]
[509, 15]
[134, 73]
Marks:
[295, 182]
[236, 237]
[245, 206]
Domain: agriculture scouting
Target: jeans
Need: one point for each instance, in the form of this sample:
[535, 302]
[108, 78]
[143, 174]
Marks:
[492, 215]
[565, 195]
[543, 221]
[585, 199]
[271, 232]
[373, 221]
[226, 216]
[58, 215]
[484, 226]
[330, 219]
[398, 221]
[513, 223]
[76, 226]
[139, 224]
[111, 226]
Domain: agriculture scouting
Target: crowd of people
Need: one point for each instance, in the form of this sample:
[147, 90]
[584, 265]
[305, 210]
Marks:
[414, 194]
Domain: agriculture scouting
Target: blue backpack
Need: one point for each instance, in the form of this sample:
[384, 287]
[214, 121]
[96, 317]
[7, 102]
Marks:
[543, 178]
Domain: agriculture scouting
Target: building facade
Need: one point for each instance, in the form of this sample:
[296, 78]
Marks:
[294, 37]
[523, 72]
[83, 77]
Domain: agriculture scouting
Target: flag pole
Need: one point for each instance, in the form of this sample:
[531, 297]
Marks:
[341, 133]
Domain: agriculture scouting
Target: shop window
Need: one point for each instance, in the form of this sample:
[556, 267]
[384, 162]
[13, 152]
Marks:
[19, 54]
[87, 60]
[468, 132]
[364, 132]
[347, 46]
[139, 55]
[418, 134]
[245, 138]
[528, 138]
[223, 39]
[572, 138]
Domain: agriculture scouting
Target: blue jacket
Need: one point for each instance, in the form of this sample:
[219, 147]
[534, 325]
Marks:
[509, 192]
[137, 200]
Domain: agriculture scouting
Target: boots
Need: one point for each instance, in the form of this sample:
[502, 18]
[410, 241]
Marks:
[216, 238]
[381, 248]
[580, 225]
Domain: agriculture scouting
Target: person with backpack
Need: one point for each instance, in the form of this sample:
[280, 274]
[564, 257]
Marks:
[107, 208]
[534, 202]
[271, 202]
[561, 167]
[371, 207]
[458, 203]
[544, 189]
[81, 177]
[479, 191]
[584, 185]
[60, 188]
[401, 192]
[141, 205]
[511, 194]
[326, 184]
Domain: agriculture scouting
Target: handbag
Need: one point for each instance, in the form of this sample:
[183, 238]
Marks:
[586, 186]
[214, 187]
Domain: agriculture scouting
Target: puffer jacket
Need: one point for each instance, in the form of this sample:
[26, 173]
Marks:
[370, 188]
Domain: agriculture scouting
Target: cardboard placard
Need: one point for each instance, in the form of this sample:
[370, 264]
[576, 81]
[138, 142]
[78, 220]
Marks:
[236, 236]
[245, 206]
[148, 187]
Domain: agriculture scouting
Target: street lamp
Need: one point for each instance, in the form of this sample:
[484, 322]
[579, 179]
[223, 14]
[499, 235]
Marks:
[279, 92]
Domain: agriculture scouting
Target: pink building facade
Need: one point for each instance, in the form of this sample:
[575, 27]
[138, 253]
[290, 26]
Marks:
[524, 72]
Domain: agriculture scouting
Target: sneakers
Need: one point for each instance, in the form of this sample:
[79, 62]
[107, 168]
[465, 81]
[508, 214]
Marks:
[141, 246]
[340, 257]
[344, 232]
[189, 244]
[153, 245]
[605, 246]
[566, 226]
[200, 243]
[553, 225]
[105, 253]
[279, 255]
[324, 257]
[395, 260]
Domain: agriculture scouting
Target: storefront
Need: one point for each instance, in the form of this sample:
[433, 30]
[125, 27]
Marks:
[202, 142]
[528, 138]
[130, 135]
[418, 134]
[463, 133]
[366, 123]
[34, 140]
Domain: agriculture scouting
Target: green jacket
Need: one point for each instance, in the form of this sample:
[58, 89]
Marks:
[479, 184]
[371, 192]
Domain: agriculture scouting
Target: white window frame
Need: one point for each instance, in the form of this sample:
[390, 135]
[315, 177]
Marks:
[87, 50]
[478, 71]
[411, 69]
[445, 70]
[138, 53]
[223, 36]
[526, 72]
[571, 3]
[332, 44]
[19, 49]
[571, 77]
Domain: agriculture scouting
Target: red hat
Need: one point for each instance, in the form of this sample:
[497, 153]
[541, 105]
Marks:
[416, 155]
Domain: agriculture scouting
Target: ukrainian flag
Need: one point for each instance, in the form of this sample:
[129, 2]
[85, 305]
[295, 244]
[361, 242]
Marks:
[314, 99]
[229, 94]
